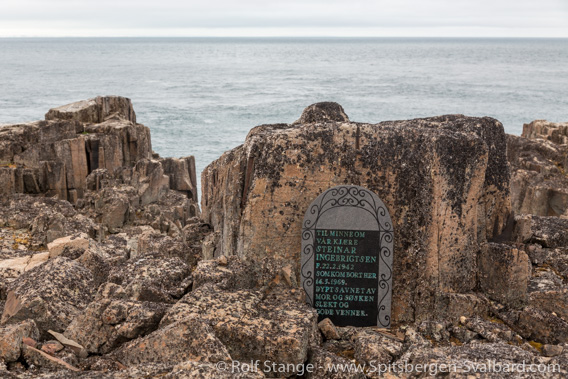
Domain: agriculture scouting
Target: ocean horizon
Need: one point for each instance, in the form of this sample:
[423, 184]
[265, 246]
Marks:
[201, 95]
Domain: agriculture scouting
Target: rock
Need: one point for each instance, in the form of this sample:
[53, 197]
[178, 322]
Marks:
[106, 324]
[504, 274]
[542, 129]
[182, 175]
[540, 326]
[75, 242]
[153, 278]
[328, 329]
[552, 350]
[12, 337]
[439, 178]
[52, 294]
[154, 242]
[79, 350]
[538, 183]
[371, 347]
[98, 263]
[548, 232]
[29, 341]
[115, 209]
[41, 359]
[493, 330]
[252, 325]
[201, 370]
[453, 306]
[235, 274]
[552, 300]
[188, 339]
[52, 347]
[151, 183]
[460, 361]
[98, 136]
[94, 110]
[327, 365]
[110, 291]
[222, 260]
[323, 112]
[46, 219]
[16, 266]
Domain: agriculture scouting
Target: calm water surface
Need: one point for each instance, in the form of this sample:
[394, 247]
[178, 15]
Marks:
[201, 96]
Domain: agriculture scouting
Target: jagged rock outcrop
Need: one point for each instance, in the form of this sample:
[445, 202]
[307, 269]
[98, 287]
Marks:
[551, 131]
[95, 110]
[444, 180]
[54, 157]
[539, 162]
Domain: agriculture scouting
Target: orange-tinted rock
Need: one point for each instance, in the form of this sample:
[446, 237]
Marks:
[444, 181]
[94, 110]
[189, 339]
[504, 273]
[539, 160]
[12, 337]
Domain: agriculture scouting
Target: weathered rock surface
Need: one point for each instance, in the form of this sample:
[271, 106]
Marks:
[253, 324]
[153, 278]
[11, 337]
[45, 219]
[548, 232]
[504, 274]
[443, 179]
[52, 294]
[539, 161]
[551, 131]
[78, 243]
[106, 324]
[41, 359]
[328, 365]
[188, 339]
[321, 112]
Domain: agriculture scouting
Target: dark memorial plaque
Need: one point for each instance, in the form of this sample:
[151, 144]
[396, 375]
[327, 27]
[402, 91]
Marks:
[346, 264]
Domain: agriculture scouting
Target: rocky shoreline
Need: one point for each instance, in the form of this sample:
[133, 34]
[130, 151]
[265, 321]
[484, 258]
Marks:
[110, 268]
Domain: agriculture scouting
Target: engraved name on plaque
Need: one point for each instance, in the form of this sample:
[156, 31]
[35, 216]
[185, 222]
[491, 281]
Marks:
[346, 259]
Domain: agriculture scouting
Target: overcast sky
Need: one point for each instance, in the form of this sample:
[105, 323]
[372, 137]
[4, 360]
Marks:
[483, 18]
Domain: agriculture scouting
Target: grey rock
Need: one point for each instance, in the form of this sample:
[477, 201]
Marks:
[52, 294]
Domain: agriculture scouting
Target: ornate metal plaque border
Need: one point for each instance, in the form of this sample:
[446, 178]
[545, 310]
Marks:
[362, 198]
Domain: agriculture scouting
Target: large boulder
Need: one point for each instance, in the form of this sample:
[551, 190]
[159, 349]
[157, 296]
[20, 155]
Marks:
[188, 339]
[444, 181]
[153, 278]
[11, 337]
[107, 323]
[52, 294]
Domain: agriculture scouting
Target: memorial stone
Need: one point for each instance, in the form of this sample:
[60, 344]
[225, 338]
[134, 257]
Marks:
[346, 259]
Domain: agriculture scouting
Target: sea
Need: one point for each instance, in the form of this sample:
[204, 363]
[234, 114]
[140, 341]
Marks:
[201, 96]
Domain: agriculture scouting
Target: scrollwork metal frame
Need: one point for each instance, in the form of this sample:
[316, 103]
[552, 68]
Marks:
[361, 198]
